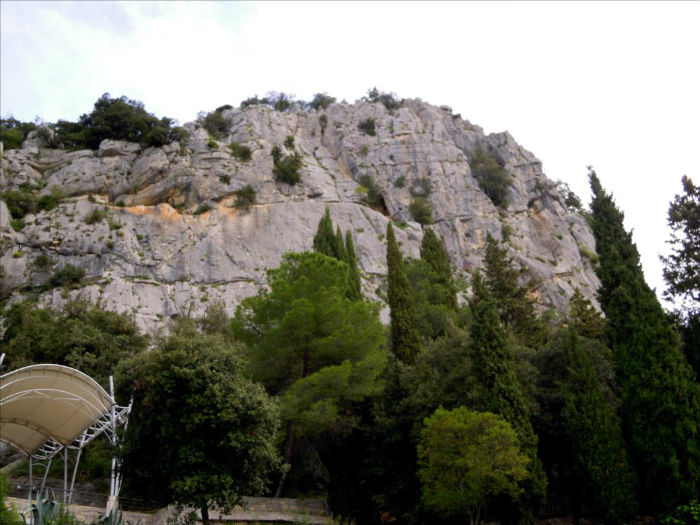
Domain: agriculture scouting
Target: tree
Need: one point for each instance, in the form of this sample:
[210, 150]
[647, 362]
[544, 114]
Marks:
[500, 390]
[682, 266]
[433, 252]
[201, 434]
[325, 241]
[354, 283]
[491, 176]
[600, 461]
[81, 336]
[660, 399]
[311, 344]
[466, 456]
[584, 318]
[405, 336]
[516, 309]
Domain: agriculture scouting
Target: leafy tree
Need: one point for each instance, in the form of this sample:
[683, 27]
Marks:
[466, 456]
[500, 390]
[321, 101]
[405, 336]
[660, 400]
[434, 306]
[201, 434]
[682, 267]
[286, 169]
[421, 210]
[81, 336]
[516, 309]
[311, 344]
[8, 515]
[491, 176]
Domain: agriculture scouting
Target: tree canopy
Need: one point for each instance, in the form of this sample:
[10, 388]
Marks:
[465, 456]
[201, 433]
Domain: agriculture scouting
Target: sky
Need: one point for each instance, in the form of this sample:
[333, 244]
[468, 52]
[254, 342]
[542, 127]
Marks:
[613, 85]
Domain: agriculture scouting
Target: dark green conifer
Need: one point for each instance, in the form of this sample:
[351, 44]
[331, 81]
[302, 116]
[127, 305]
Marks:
[586, 320]
[600, 467]
[405, 336]
[354, 285]
[432, 251]
[325, 241]
[517, 310]
[660, 400]
[340, 252]
[492, 358]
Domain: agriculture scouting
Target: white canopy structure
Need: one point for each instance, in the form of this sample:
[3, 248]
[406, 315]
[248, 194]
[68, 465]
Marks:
[48, 409]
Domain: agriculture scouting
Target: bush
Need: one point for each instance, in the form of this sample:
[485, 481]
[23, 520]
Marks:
[13, 132]
[215, 123]
[491, 177]
[202, 208]
[68, 276]
[245, 197]
[241, 152]
[400, 182]
[421, 210]
[95, 216]
[323, 122]
[373, 196]
[289, 142]
[19, 203]
[212, 144]
[287, 169]
[388, 99]
[276, 153]
[254, 101]
[367, 126]
[422, 188]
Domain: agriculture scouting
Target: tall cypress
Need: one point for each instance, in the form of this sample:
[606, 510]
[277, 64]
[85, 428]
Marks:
[325, 241]
[405, 336]
[340, 252]
[354, 284]
[660, 400]
[602, 473]
[492, 357]
[432, 251]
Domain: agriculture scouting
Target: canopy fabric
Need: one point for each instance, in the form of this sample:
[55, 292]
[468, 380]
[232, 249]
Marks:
[49, 403]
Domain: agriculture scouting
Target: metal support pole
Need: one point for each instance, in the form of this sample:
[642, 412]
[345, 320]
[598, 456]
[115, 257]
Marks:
[65, 475]
[31, 481]
[46, 475]
[75, 471]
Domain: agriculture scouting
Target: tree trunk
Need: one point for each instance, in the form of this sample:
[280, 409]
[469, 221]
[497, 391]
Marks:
[205, 515]
[290, 453]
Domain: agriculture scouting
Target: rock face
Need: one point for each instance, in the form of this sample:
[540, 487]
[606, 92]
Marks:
[157, 232]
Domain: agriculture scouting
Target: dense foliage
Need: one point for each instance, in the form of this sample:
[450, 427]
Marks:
[491, 176]
[111, 118]
[201, 434]
[660, 399]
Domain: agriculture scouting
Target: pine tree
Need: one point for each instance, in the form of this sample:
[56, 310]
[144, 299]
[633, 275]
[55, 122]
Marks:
[432, 251]
[660, 400]
[492, 358]
[325, 241]
[354, 284]
[517, 310]
[405, 336]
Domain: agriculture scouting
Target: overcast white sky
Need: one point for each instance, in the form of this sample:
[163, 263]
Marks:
[613, 85]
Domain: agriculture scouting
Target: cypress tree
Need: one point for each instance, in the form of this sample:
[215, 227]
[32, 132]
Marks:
[354, 285]
[405, 336]
[660, 400]
[583, 316]
[432, 251]
[340, 252]
[603, 475]
[492, 357]
[517, 310]
[325, 241]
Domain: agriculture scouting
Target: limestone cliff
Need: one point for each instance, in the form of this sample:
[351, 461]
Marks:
[167, 239]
